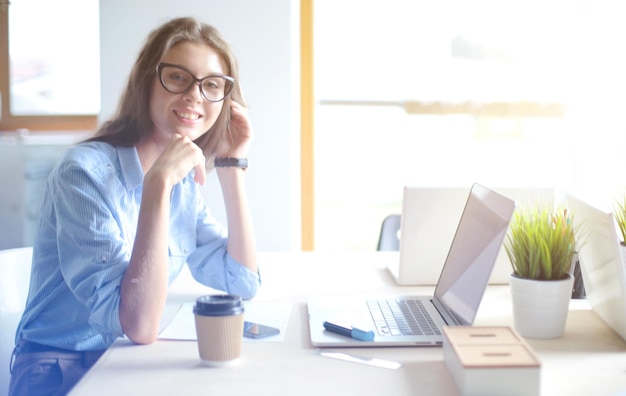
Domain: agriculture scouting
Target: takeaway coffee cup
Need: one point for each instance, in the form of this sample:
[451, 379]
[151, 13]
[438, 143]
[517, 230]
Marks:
[219, 326]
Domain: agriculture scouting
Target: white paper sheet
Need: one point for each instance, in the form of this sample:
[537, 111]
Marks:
[360, 359]
[183, 326]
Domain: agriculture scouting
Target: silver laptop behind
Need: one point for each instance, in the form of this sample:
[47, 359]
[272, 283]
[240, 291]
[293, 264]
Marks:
[601, 262]
[472, 254]
[430, 216]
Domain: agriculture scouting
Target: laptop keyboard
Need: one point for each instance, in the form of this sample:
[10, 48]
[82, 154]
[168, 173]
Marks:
[401, 317]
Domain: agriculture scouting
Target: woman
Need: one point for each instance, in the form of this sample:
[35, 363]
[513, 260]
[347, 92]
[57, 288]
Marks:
[123, 211]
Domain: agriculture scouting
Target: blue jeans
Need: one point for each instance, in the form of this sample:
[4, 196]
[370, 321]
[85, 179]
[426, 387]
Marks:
[41, 370]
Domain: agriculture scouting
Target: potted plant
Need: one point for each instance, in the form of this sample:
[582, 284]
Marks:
[541, 245]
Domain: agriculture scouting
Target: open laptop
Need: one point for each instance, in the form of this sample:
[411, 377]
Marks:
[429, 220]
[475, 246]
[601, 262]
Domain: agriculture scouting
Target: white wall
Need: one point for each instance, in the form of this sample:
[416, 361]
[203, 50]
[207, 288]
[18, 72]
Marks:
[265, 36]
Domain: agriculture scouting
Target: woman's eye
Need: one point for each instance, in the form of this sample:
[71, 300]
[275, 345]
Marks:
[177, 77]
[210, 84]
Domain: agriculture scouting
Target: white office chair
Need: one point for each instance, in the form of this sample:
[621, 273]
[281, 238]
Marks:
[14, 280]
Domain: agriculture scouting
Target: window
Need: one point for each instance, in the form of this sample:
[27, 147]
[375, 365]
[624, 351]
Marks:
[453, 92]
[50, 71]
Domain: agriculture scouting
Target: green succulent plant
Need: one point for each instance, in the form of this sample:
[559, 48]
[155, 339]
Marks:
[620, 216]
[541, 244]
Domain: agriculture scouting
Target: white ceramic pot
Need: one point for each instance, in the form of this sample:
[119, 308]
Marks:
[540, 307]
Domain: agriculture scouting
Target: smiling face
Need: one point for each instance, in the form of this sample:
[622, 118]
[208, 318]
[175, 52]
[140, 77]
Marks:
[187, 113]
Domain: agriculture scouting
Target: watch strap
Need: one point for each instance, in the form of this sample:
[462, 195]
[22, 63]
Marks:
[223, 162]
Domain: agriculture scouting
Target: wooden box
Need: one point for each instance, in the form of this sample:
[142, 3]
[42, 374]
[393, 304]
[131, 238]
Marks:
[491, 361]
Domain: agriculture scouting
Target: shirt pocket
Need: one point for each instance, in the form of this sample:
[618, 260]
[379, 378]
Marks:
[180, 245]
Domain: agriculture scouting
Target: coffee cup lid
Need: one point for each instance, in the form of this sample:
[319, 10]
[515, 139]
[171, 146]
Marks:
[218, 305]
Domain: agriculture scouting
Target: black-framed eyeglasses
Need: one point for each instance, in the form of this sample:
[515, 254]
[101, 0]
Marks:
[177, 79]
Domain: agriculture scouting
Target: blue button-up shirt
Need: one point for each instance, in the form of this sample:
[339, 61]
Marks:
[86, 231]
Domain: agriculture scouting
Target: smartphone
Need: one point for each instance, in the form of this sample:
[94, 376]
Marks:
[256, 330]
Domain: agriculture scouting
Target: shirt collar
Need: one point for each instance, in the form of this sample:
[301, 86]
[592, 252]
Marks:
[131, 166]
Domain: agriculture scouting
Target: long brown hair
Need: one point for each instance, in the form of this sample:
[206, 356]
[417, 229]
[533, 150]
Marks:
[132, 121]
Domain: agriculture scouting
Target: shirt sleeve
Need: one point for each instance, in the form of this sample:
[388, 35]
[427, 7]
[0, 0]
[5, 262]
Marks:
[210, 263]
[93, 247]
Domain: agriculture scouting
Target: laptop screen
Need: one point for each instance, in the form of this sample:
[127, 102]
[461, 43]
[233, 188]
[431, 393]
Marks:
[601, 262]
[473, 252]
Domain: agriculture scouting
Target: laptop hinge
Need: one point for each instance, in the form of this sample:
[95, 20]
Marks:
[448, 315]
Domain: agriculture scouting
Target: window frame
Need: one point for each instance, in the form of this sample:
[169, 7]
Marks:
[42, 123]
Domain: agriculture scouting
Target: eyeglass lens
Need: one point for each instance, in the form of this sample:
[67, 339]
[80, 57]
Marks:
[178, 80]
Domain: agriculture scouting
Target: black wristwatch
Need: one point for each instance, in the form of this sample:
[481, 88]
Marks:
[223, 162]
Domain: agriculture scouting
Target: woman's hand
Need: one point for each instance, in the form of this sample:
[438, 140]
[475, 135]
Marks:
[239, 139]
[177, 159]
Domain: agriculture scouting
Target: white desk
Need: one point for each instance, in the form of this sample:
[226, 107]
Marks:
[590, 359]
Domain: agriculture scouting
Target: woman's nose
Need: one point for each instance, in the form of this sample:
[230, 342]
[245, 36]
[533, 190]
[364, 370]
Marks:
[194, 93]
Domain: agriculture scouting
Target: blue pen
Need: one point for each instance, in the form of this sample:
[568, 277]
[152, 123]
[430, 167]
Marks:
[354, 332]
